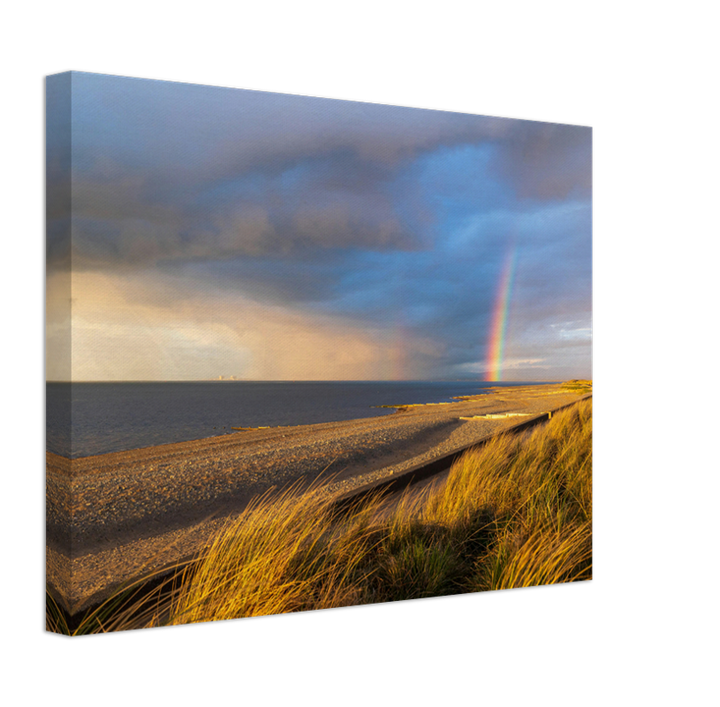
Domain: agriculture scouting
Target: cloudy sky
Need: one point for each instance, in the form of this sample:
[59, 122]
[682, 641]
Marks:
[217, 231]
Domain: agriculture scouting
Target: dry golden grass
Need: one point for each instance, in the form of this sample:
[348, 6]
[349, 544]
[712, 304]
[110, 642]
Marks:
[520, 508]
[541, 555]
[542, 508]
[283, 553]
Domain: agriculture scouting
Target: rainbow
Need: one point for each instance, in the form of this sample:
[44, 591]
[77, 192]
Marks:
[499, 320]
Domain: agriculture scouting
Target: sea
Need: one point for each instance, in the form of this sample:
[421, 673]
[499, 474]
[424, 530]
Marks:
[84, 419]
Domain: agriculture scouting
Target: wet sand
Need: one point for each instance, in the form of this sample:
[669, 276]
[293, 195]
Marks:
[113, 517]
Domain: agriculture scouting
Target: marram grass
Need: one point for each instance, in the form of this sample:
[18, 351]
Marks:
[543, 555]
[516, 512]
[283, 553]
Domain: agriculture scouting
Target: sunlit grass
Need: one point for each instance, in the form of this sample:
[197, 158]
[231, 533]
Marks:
[578, 386]
[539, 555]
[283, 553]
[516, 512]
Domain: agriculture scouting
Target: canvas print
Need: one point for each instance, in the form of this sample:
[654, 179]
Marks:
[306, 353]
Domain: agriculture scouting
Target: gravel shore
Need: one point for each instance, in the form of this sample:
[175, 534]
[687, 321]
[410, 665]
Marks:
[115, 516]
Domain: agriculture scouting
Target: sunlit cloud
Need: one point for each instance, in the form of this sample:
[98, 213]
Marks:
[124, 328]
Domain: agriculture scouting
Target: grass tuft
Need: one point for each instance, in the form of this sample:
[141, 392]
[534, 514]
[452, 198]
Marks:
[283, 553]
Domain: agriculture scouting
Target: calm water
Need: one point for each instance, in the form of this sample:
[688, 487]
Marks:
[111, 417]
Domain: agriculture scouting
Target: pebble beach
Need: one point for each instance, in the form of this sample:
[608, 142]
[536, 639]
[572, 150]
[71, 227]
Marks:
[114, 517]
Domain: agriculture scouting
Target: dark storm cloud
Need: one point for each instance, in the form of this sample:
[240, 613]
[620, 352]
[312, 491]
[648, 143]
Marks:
[246, 170]
[333, 202]
[206, 173]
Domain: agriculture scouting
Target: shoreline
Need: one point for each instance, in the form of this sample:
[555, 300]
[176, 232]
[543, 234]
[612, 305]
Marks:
[114, 516]
[288, 418]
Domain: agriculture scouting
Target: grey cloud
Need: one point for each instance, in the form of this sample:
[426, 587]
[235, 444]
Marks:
[224, 133]
[155, 161]
[117, 225]
[113, 224]
[547, 161]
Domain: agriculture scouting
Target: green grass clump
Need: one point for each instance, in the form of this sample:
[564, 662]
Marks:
[516, 512]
